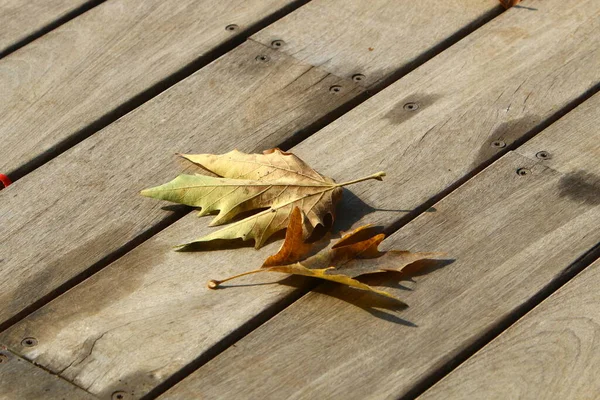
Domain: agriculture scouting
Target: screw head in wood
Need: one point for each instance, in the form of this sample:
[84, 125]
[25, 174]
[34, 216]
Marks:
[120, 395]
[29, 342]
[358, 77]
[411, 106]
[543, 155]
[277, 44]
[499, 143]
[232, 27]
[523, 171]
[262, 58]
[335, 89]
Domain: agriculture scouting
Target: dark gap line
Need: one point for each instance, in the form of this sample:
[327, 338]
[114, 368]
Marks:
[393, 77]
[278, 307]
[227, 341]
[571, 271]
[50, 27]
[296, 138]
[513, 146]
[97, 266]
[301, 135]
[439, 48]
[151, 92]
[506, 322]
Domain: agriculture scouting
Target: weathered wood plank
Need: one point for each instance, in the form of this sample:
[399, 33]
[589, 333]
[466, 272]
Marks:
[158, 297]
[65, 217]
[509, 236]
[551, 353]
[371, 38]
[82, 71]
[20, 19]
[240, 138]
[19, 379]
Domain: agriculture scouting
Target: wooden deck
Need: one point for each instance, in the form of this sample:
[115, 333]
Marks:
[496, 163]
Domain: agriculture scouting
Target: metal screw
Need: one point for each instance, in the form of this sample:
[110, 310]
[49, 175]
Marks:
[262, 58]
[523, 171]
[120, 395]
[499, 143]
[335, 89]
[29, 342]
[358, 77]
[411, 106]
[277, 43]
[3, 358]
[543, 155]
[232, 27]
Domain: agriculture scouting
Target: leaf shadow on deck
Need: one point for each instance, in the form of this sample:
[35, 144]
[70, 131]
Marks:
[351, 210]
[525, 8]
[378, 306]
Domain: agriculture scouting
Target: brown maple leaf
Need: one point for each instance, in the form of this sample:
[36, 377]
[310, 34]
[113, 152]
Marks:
[348, 258]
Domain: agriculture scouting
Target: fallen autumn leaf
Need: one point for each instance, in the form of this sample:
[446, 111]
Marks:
[274, 180]
[348, 258]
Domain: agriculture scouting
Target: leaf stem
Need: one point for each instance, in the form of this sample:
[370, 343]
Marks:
[377, 176]
[214, 283]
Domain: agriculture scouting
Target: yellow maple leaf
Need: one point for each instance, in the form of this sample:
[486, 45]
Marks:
[275, 181]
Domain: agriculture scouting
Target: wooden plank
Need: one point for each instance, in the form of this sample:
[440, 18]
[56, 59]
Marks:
[93, 208]
[19, 19]
[158, 297]
[75, 75]
[550, 353]
[116, 229]
[371, 38]
[274, 127]
[509, 236]
[20, 379]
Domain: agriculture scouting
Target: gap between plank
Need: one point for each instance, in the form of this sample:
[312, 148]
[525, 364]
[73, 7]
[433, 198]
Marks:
[296, 138]
[151, 92]
[97, 266]
[513, 146]
[439, 373]
[565, 277]
[50, 27]
[392, 78]
[229, 340]
[182, 211]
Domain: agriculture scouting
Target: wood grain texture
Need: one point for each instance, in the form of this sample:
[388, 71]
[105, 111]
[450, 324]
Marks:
[20, 379]
[134, 373]
[372, 38]
[22, 18]
[57, 85]
[423, 152]
[509, 236]
[61, 219]
[551, 353]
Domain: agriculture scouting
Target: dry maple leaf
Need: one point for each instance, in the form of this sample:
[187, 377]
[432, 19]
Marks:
[349, 257]
[274, 180]
[509, 3]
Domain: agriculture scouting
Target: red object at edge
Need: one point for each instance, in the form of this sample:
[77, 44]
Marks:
[5, 181]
